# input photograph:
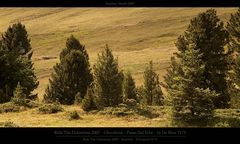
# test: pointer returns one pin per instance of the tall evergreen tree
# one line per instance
(192, 103)
(129, 88)
(71, 76)
(233, 28)
(207, 34)
(196, 79)
(16, 63)
(152, 90)
(108, 79)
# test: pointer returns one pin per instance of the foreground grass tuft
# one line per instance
(73, 115)
(9, 124)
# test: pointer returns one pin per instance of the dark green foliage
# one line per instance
(233, 28)
(206, 34)
(24, 102)
(192, 104)
(18, 93)
(196, 80)
(71, 76)
(3, 96)
(15, 62)
(73, 115)
(11, 107)
(88, 103)
(141, 95)
(74, 44)
(152, 89)
(130, 102)
(129, 88)
(50, 108)
(108, 79)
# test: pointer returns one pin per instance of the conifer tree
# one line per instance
(18, 93)
(89, 102)
(192, 103)
(152, 90)
(206, 33)
(16, 64)
(233, 28)
(108, 79)
(196, 80)
(129, 88)
(71, 76)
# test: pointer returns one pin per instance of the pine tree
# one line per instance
(108, 79)
(18, 93)
(71, 76)
(152, 90)
(233, 28)
(88, 103)
(74, 44)
(207, 34)
(129, 88)
(15, 61)
(191, 80)
(192, 104)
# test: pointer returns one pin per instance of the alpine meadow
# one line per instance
(120, 67)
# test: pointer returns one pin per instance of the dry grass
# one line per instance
(32, 118)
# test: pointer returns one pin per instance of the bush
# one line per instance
(11, 107)
(117, 111)
(88, 102)
(9, 124)
(226, 118)
(130, 102)
(24, 102)
(73, 115)
(50, 108)
(125, 110)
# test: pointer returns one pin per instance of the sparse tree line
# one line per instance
(203, 75)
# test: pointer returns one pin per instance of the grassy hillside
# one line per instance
(136, 35)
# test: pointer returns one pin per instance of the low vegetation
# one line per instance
(50, 108)
(73, 115)
(9, 124)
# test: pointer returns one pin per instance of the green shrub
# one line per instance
(73, 115)
(125, 110)
(226, 118)
(20, 102)
(88, 103)
(11, 107)
(117, 111)
(24, 102)
(130, 102)
(50, 108)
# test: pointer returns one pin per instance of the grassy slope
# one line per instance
(136, 35)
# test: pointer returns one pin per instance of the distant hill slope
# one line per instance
(136, 35)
